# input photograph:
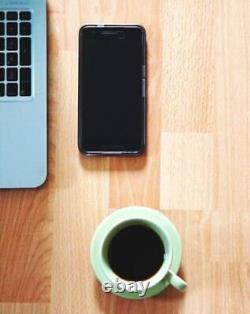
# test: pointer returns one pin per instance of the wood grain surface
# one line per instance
(196, 169)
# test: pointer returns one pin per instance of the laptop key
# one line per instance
(25, 82)
(25, 28)
(12, 89)
(2, 76)
(25, 15)
(12, 74)
(2, 90)
(2, 16)
(25, 51)
(2, 44)
(11, 43)
(2, 29)
(12, 29)
(2, 59)
(12, 59)
(12, 16)
(25, 89)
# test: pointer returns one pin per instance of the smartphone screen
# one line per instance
(112, 71)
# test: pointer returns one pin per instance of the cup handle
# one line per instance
(176, 281)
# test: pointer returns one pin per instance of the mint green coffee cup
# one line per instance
(163, 229)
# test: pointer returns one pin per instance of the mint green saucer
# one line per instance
(158, 222)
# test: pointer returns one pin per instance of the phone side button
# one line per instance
(144, 88)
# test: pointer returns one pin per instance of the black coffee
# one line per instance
(136, 253)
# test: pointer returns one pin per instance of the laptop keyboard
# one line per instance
(15, 54)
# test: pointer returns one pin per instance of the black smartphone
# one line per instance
(112, 90)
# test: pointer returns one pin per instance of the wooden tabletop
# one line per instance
(196, 170)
